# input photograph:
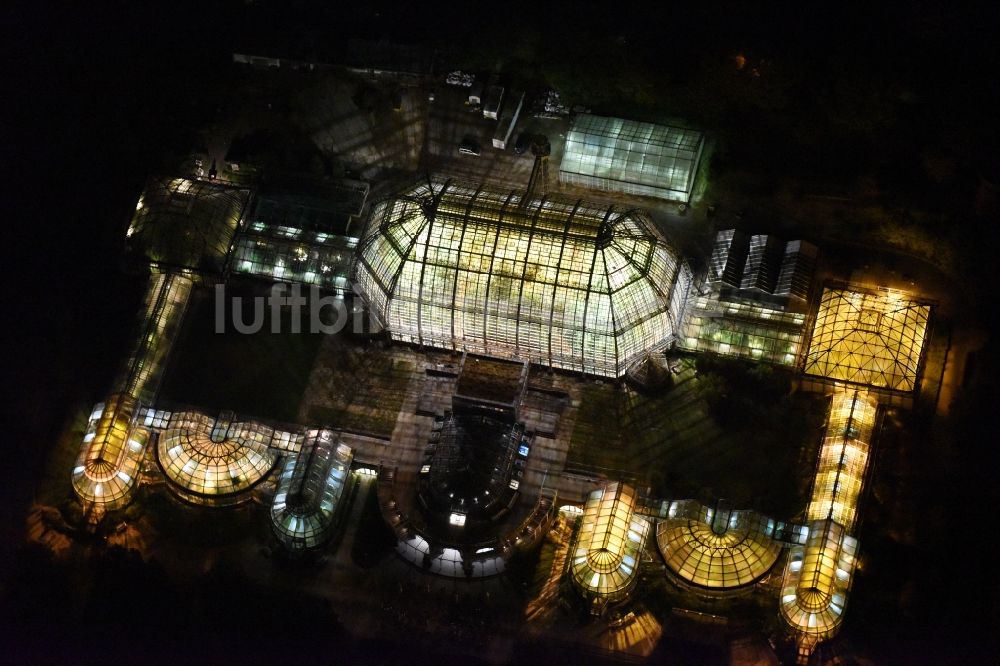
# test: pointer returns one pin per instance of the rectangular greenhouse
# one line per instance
(744, 330)
(301, 232)
(843, 460)
(632, 157)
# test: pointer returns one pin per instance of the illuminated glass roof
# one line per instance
(629, 156)
(556, 282)
(309, 491)
(873, 338)
(843, 458)
(606, 552)
(186, 223)
(107, 467)
(817, 580)
(732, 551)
(818, 575)
(212, 461)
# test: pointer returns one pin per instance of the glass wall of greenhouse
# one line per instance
(605, 556)
(310, 491)
(632, 157)
(556, 282)
(874, 338)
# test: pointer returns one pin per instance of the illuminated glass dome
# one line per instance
(213, 462)
(557, 282)
(734, 553)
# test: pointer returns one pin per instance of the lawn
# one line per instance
(719, 432)
(263, 374)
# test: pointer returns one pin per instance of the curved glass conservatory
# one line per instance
(557, 282)
(718, 549)
(818, 575)
(605, 557)
(209, 461)
(107, 467)
(309, 492)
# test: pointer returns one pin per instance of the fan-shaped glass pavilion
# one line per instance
(210, 461)
(718, 549)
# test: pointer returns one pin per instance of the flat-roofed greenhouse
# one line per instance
(558, 282)
(632, 157)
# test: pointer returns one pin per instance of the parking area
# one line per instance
(451, 120)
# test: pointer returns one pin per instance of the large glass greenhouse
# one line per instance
(874, 338)
(754, 298)
(112, 449)
(556, 282)
(107, 467)
(818, 575)
(631, 157)
(843, 458)
(308, 237)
